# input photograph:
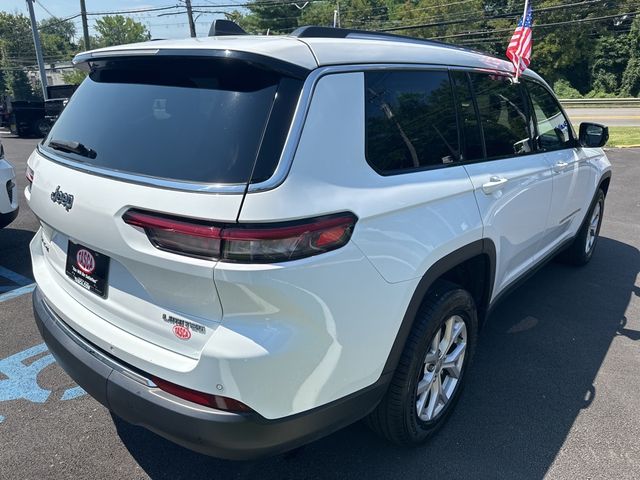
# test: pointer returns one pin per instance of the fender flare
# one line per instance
(483, 246)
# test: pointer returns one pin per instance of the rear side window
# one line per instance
(552, 125)
(197, 120)
(473, 148)
(410, 120)
(503, 115)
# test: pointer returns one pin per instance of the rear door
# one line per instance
(512, 183)
(175, 136)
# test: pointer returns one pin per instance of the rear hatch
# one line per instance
(181, 136)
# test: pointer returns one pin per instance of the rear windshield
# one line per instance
(186, 119)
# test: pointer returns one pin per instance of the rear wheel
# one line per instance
(582, 248)
(431, 371)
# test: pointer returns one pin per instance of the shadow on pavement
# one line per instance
(534, 371)
(14, 250)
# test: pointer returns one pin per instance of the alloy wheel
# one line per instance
(442, 368)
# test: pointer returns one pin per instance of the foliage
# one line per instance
(564, 89)
(74, 76)
(118, 30)
(631, 77)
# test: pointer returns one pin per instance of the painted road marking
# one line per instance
(16, 292)
(14, 277)
(20, 377)
(611, 117)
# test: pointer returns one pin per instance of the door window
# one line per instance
(410, 120)
(473, 150)
(553, 127)
(503, 115)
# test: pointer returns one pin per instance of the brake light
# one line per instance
(29, 175)
(260, 243)
(206, 399)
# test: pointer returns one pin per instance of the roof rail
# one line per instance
(312, 31)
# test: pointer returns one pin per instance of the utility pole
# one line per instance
(85, 26)
(336, 15)
(36, 42)
(192, 25)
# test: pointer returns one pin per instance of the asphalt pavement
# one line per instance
(553, 391)
(610, 116)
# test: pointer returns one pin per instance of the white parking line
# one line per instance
(17, 292)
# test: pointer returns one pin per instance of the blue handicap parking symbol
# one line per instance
(19, 377)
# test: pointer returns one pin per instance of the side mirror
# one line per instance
(593, 135)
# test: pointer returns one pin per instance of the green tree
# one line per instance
(119, 30)
(631, 77)
(74, 76)
(57, 40)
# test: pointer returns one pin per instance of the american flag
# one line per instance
(519, 49)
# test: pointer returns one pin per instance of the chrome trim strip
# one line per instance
(291, 143)
(302, 109)
(82, 343)
(569, 216)
(144, 180)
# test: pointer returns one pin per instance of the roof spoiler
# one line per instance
(225, 27)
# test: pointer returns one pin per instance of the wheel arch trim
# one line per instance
(480, 247)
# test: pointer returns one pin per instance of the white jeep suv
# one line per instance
(8, 191)
(248, 242)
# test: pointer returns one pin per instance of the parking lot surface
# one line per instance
(554, 390)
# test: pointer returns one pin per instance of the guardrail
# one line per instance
(599, 102)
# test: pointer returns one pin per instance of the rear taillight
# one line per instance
(10, 186)
(260, 243)
(207, 399)
(29, 175)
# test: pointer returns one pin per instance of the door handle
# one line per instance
(494, 184)
(560, 166)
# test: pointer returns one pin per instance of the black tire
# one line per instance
(577, 253)
(396, 417)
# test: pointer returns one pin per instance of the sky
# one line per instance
(174, 26)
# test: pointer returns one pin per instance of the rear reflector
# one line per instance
(260, 243)
(201, 398)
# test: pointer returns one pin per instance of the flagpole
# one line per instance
(524, 18)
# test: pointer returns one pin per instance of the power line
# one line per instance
(534, 26)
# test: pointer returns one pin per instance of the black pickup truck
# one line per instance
(35, 118)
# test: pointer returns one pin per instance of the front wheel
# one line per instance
(582, 248)
(431, 371)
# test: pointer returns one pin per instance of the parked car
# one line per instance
(260, 240)
(8, 191)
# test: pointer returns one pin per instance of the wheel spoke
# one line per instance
(424, 384)
(435, 343)
(420, 404)
(447, 338)
(443, 396)
(433, 399)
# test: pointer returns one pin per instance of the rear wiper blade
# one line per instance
(72, 147)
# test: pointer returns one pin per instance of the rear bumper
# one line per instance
(135, 398)
(7, 218)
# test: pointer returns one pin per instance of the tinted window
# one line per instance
(503, 115)
(552, 126)
(468, 119)
(195, 120)
(410, 120)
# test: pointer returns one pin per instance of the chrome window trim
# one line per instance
(291, 143)
(300, 116)
(222, 188)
